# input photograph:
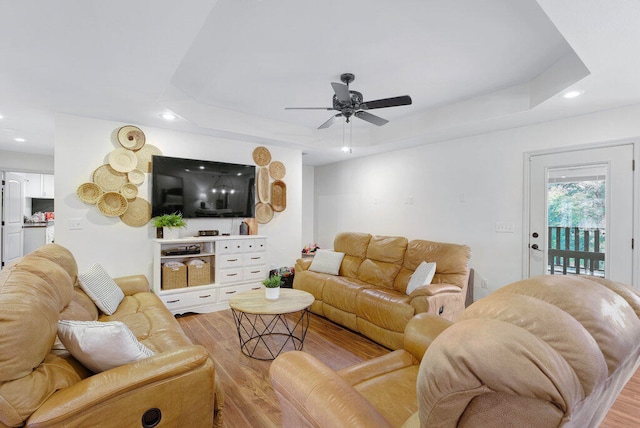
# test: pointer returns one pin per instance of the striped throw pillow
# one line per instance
(103, 290)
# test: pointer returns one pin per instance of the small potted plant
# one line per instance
(167, 225)
(272, 287)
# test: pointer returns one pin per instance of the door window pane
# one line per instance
(576, 219)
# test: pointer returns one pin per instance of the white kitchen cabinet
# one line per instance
(39, 185)
(35, 236)
(237, 263)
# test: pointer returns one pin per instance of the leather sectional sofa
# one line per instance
(369, 293)
(548, 351)
(42, 385)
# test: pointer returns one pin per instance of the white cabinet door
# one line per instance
(47, 185)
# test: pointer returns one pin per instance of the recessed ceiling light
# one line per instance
(1, 116)
(169, 116)
(345, 149)
(572, 94)
(20, 140)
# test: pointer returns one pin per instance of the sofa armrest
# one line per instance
(127, 391)
(303, 264)
(421, 331)
(312, 394)
(433, 289)
(133, 284)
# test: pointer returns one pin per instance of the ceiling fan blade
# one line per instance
(404, 100)
(376, 120)
(329, 122)
(342, 92)
(309, 108)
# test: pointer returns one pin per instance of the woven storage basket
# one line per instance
(198, 274)
(174, 277)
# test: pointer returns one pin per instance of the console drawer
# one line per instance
(254, 273)
(228, 276)
(254, 259)
(230, 261)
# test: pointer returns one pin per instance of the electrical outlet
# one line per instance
(76, 224)
(484, 283)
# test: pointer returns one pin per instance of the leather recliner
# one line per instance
(42, 385)
(548, 351)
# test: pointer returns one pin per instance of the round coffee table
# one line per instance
(266, 327)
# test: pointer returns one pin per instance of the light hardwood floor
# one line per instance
(250, 401)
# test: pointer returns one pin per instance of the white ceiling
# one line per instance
(229, 67)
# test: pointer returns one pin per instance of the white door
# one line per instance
(581, 213)
(12, 218)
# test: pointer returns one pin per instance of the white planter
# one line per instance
(272, 293)
(170, 232)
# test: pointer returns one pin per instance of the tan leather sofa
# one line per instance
(369, 294)
(44, 387)
(544, 352)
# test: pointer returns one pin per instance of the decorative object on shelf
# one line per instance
(169, 224)
(278, 196)
(310, 249)
(129, 191)
(253, 225)
(244, 228)
(112, 204)
(131, 137)
(144, 156)
(272, 287)
(108, 178)
(264, 213)
(277, 170)
(263, 185)
(89, 193)
(138, 213)
(136, 176)
(123, 160)
(261, 156)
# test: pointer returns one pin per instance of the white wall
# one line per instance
(82, 145)
(25, 162)
(460, 189)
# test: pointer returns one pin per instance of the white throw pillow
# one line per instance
(101, 346)
(327, 261)
(103, 290)
(423, 275)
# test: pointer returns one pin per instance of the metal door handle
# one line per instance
(535, 247)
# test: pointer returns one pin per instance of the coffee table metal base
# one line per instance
(265, 336)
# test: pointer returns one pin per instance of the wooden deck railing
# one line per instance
(575, 250)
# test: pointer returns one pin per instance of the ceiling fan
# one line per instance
(350, 103)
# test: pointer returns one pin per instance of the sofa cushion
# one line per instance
(101, 346)
(150, 322)
(377, 273)
(453, 260)
(352, 244)
(422, 276)
(389, 309)
(103, 290)
(388, 249)
(341, 292)
(33, 291)
(81, 307)
(326, 261)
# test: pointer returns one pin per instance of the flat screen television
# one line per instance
(200, 188)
